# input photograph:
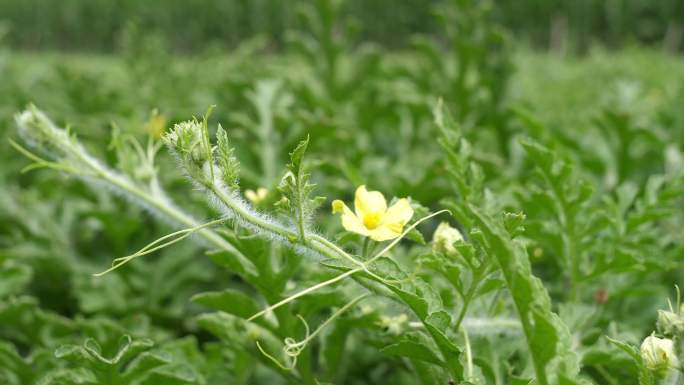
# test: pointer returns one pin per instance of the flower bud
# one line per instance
(393, 325)
(186, 139)
(444, 238)
(253, 333)
(156, 125)
(658, 354)
(40, 132)
(670, 323)
(258, 196)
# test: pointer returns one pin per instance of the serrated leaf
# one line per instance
(296, 188)
(646, 376)
(143, 364)
(228, 163)
(547, 337)
(416, 236)
(229, 301)
(297, 156)
(489, 285)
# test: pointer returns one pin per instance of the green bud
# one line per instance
(186, 139)
(658, 354)
(670, 323)
(444, 238)
(393, 325)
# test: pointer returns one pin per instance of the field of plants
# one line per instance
(323, 208)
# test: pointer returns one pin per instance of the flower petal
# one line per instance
(350, 221)
(385, 232)
(393, 221)
(368, 202)
(398, 214)
(251, 195)
(338, 206)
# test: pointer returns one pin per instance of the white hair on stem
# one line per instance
(68, 155)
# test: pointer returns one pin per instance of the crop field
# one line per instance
(462, 208)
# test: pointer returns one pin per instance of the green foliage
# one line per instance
(230, 167)
(564, 181)
(102, 25)
(296, 188)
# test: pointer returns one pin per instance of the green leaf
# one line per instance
(489, 285)
(414, 350)
(416, 236)
(143, 364)
(296, 188)
(131, 363)
(228, 163)
(13, 278)
(229, 301)
(547, 337)
(646, 376)
(297, 157)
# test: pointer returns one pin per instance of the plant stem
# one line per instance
(318, 244)
(161, 205)
(305, 292)
(364, 250)
(466, 302)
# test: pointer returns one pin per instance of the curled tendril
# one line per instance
(293, 348)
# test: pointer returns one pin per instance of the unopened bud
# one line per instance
(670, 323)
(658, 354)
(444, 238)
(257, 196)
(156, 125)
(186, 139)
(394, 325)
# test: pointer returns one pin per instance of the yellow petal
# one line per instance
(350, 221)
(251, 195)
(398, 214)
(261, 193)
(393, 221)
(257, 196)
(368, 202)
(337, 206)
(156, 125)
(385, 233)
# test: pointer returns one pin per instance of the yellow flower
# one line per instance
(156, 125)
(257, 196)
(371, 217)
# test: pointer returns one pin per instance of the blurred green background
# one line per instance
(192, 25)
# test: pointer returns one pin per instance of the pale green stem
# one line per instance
(305, 292)
(293, 349)
(93, 169)
(319, 244)
(363, 267)
(364, 249)
(301, 344)
(157, 245)
(469, 356)
(158, 204)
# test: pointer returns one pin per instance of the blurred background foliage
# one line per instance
(362, 79)
(191, 25)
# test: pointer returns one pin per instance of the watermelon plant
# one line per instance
(333, 211)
